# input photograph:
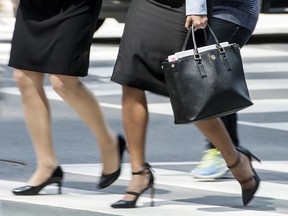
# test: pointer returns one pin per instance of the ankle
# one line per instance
(47, 167)
(41, 174)
(109, 143)
(242, 171)
(236, 162)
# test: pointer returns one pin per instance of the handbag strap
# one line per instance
(197, 55)
(195, 48)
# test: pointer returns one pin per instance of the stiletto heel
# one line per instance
(132, 204)
(60, 187)
(55, 178)
(247, 194)
(107, 179)
(152, 193)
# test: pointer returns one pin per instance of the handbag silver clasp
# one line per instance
(197, 57)
(221, 50)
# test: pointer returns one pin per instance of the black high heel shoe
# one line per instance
(247, 194)
(55, 178)
(132, 204)
(108, 179)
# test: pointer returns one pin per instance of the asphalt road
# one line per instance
(173, 150)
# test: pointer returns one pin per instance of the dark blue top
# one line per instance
(241, 12)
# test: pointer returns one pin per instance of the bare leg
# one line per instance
(135, 119)
(216, 132)
(82, 100)
(38, 121)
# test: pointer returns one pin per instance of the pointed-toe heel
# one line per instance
(132, 203)
(247, 194)
(55, 178)
(107, 179)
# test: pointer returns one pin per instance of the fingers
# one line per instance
(188, 22)
(198, 21)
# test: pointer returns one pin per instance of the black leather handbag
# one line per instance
(206, 82)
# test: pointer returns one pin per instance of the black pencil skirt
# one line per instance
(54, 36)
(154, 29)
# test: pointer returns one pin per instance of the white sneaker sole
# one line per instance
(213, 176)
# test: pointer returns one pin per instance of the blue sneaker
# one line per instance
(211, 166)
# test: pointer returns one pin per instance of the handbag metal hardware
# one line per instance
(213, 57)
(197, 57)
(221, 50)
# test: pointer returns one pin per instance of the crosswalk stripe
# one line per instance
(260, 106)
(267, 84)
(248, 51)
(184, 179)
(266, 67)
(276, 126)
(98, 201)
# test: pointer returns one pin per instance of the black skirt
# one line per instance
(153, 30)
(54, 36)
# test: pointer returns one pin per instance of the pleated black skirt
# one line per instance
(153, 30)
(54, 36)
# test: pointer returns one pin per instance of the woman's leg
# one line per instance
(216, 132)
(233, 33)
(135, 120)
(83, 101)
(38, 121)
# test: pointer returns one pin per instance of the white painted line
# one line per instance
(265, 67)
(275, 166)
(267, 106)
(248, 51)
(98, 90)
(98, 201)
(94, 169)
(105, 72)
(260, 106)
(268, 84)
(184, 179)
(276, 126)
(249, 67)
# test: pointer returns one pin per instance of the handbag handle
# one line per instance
(197, 55)
(195, 48)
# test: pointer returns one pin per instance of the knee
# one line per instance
(20, 78)
(63, 84)
(58, 83)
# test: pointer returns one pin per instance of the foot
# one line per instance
(55, 178)
(243, 172)
(137, 184)
(108, 179)
(110, 157)
(141, 181)
(212, 165)
(41, 175)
